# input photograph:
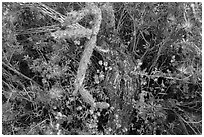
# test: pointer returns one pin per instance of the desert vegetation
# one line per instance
(101, 68)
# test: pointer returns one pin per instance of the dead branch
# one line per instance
(19, 73)
(47, 11)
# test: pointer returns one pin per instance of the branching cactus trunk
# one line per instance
(89, 47)
(83, 64)
(85, 59)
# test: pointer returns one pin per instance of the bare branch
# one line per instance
(18, 73)
(47, 11)
(39, 30)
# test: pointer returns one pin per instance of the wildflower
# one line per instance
(156, 79)
(96, 79)
(105, 64)
(139, 62)
(91, 111)
(77, 42)
(97, 71)
(100, 62)
(101, 76)
(79, 108)
(110, 68)
(98, 114)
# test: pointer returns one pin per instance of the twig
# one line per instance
(119, 22)
(20, 74)
(48, 11)
(38, 30)
(37, 125)
(180, 120)
(159, 52)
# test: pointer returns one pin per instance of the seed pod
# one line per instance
(87, 97)
(102, 105)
